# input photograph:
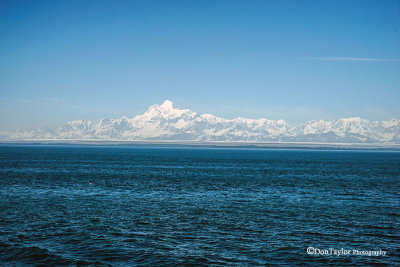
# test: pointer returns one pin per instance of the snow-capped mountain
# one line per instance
(166, 122)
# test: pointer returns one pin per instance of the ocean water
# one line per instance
(149, 206)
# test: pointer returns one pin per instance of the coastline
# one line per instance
(209, 144)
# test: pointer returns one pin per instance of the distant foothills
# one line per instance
(165, 122)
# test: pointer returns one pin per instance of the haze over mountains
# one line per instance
(166, 122)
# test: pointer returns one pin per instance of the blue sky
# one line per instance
(292, 60)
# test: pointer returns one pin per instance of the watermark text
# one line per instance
(345, 252)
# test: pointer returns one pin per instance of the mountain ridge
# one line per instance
(166, 122)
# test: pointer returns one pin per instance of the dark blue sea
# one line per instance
(149, 206)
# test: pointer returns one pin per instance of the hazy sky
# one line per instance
(292, 60)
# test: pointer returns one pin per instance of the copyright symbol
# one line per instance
(310, 251)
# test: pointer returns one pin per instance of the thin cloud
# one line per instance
(369, 59)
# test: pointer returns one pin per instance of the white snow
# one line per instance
(165, 121)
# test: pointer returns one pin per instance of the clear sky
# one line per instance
(292, 60)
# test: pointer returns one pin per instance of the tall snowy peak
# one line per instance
(167, 122)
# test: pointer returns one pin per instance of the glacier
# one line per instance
(165, 122)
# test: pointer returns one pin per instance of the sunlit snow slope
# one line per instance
(166, 122)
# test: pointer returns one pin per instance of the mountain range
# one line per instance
(165, 122)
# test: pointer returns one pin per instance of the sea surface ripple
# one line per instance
(149, 206)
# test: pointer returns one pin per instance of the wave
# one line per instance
(17, 254)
